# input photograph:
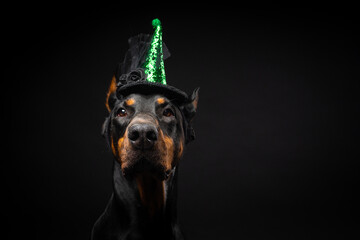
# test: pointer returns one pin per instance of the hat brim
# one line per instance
(147, 88)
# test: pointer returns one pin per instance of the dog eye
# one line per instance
(168, 112)
(121, 112)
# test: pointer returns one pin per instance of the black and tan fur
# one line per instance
(147, 135)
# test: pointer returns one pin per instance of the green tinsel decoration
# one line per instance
(154, 63)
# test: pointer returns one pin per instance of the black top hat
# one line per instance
(143, 71)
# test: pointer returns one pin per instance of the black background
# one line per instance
(276, 154)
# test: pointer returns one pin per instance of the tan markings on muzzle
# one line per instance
(123, 148)
(166, 148)
(117, 151)
(120, 142)
(130, 101)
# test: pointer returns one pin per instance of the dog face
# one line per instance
(147, 133)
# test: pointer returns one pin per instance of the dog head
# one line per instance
(148, 132)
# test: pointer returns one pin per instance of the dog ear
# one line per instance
(189, 110)
(111, 95)
(191, 106)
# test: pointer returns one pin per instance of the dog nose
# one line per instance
(142, 136)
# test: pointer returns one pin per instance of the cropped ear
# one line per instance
(111, 95)
(191, 106)
(189, 110)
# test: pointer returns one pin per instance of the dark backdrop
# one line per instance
(276, 154)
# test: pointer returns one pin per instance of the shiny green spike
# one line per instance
(154, 63)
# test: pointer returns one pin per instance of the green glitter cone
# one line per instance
(154, 63)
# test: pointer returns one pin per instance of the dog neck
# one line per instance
(147, 204)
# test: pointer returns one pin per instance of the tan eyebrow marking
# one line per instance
(160, 100)
(130, 101)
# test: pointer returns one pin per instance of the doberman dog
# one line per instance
(147, 136)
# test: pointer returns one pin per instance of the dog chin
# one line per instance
(143, 166)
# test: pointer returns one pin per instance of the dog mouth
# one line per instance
(147, 168)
